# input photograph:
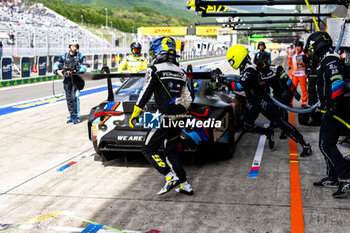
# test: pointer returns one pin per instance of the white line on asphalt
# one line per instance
(258, 157)
(45, 97)
(43, 106)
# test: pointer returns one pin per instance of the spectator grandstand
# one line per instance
(33, 29)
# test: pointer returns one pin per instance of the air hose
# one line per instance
(53, 89)
(295, 110)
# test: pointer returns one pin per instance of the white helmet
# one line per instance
(74, 41)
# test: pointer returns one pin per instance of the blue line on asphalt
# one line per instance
(46, 101)
(63, 167)
(92, 228)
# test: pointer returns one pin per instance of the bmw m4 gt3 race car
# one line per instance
(214, 122)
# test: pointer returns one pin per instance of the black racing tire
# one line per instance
(227, 150)
(97, 150)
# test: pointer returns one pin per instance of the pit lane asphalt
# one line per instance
(38, 142)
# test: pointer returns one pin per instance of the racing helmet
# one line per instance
(236, 55)
(262, 60)
(162, 49)
(316, 42)
(73, 41)
(136, 49)
(299, 43)
(261, 43)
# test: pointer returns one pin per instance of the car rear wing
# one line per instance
(191, 74)
(197, 74)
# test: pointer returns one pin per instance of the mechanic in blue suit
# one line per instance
(70, 63)
(261, 48)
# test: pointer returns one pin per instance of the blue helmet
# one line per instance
(163, 45)
(262, 60)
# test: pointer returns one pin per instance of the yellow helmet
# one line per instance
(235, 55)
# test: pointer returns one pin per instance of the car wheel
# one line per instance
(97, 150)
(227, 149)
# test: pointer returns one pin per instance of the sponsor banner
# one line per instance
(99, 71)
(95, 62)
(6, 68)
(164, 31)
(25, 67)
(54, 60)
(104, 60)
(113, 60)
(42, 61)
(28, 80)
(207, 31)
(121, 55)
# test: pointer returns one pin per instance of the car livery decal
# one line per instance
(198, 134)
(110, 106)
(98, 135)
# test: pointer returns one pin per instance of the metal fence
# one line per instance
(15, 51)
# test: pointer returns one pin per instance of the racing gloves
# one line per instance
(134, 116)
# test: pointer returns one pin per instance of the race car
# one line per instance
(215, 117)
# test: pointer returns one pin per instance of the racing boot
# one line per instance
(343, 190)
(283, 135)
(76, 120)
(271, 137)
(306, 150)
(71, 120)
(328, 182)
(185, 188)
(171, 181)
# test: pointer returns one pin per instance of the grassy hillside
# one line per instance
(165, 7)
(124, 20)
(126, 15)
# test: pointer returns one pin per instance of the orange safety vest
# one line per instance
(298, 65)
(343, 56)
